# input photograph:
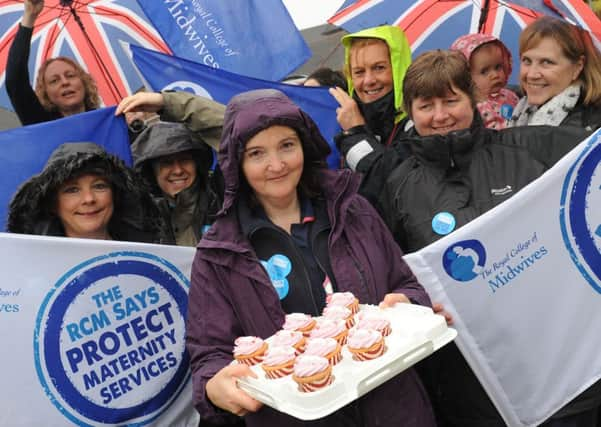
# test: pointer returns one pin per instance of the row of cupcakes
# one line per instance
(320, 340)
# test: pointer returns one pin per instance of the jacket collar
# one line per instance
(228, 233)
(453, 150)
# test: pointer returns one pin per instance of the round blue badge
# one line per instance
(281, 264)
(506, 111)
(443, 223)
(278, 267)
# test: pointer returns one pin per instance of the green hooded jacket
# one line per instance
(400, 58)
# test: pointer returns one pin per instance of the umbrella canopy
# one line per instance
(88, 31)
(435, 24)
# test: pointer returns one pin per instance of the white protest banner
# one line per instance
(523, 283)
(93, 333)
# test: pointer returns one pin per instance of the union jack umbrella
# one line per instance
(58, 32)
(435, 24)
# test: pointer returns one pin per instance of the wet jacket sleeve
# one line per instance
(547, 144)
(210, 332)
(364, 154)
(388, 204)
(21, 94)
(201, 115)
(399, 277)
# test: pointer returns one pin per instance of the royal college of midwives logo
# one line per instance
(109, 340)
(464, 260)
(580, 212)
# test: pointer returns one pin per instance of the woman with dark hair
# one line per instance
(325, 76)
(280, 198)
(62, 88)
(457, 171)
(85, 192)
(560, 73)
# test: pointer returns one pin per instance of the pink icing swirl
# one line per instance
(373, 321)
(296, 321)
(363, 338)
(320, 346)
(247, 345)
(286, 338)
(341, 298)
(279, 355)
(328, 328)
(339, 312)
(307, 365)
(368, 310)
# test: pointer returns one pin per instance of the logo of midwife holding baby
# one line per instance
(109, 339)
(464, 260)
(580, 215)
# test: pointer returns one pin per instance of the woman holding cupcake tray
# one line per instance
(290, 231)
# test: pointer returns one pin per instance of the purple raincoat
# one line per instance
(231, 294)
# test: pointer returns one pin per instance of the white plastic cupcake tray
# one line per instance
(416, 333)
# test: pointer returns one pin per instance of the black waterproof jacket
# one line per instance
(467, 173)
(135, 217)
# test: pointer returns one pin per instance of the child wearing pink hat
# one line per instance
(490, 67)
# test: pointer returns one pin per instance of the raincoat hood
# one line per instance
(164, 139)
(134, 217)
(248, 114)
(470, 42)
(400, 57)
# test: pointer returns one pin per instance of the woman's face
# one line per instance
(439, 116)
(371, 70)
(273, 163)
(545, 71)
(176, 172)
(64, 87)
(85, 206)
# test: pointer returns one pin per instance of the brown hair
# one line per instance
(575, 43)
(91, 99)
(434, 74)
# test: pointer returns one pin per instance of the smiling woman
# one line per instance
(63, 87)
(85, 192)
(560, 73)
(282, 203)
(457, 171)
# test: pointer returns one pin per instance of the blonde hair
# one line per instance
(575, 43)
(91, 99)
(360, 42)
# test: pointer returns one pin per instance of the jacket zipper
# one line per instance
(332, 280)
(360, 271)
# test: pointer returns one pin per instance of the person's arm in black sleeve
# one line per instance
(547, 144)
(21, 94)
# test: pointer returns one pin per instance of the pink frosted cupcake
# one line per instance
(345, 299)
(299, 322)
(294, 339)
(338, 312)
(325, 347)
(365, 344)
(373, 319)
(329, 328)
(279, 361)
(312, 373)
(249, 350)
